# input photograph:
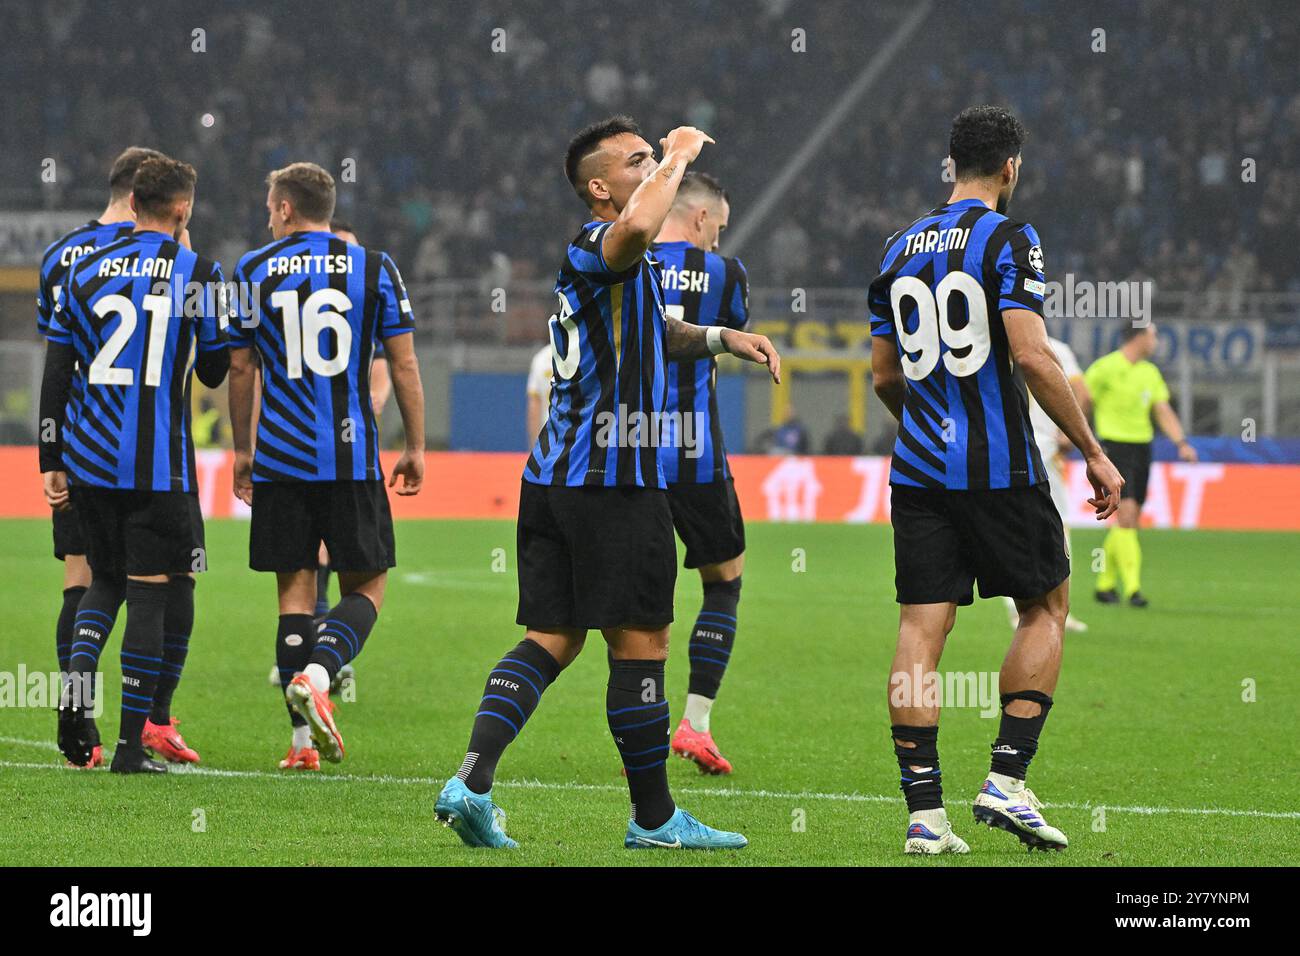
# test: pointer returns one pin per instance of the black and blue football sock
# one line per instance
(294, 639)
(342, 633)
(93, 623)
(64, 630)
(918, 766)
(178, 622)
(322, 590)
(142, 644)
(1017, 740)
(513, 690)
(637, 712)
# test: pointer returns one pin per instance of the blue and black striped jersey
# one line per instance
(60, 256)
(315, 308)
(610, 385)
(943, 283)
(701, 288)
(134, 311)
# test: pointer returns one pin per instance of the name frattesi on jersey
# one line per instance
(339, 264)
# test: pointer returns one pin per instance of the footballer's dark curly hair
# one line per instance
(159, 182)
(982, 139)
(587, 140)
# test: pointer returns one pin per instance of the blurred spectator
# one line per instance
(843, 440)
(788, 438)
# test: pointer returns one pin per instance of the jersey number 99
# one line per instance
(933, 327)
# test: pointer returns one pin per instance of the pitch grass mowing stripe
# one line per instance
(615, 788)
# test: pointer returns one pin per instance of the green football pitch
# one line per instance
(1173, 739)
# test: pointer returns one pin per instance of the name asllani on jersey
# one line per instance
(936, 240)
(157, 267)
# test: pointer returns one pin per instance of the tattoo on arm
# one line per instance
(686, 341)
(668, 172)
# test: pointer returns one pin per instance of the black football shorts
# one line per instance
(708, 520)
(292, 518)
(1010, 540)
(595, 557)
(68, 536)
(1133, 459)
(140, 533)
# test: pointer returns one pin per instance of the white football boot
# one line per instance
(930, 833)
(1005, 803)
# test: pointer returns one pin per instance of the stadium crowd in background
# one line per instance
(437, 126)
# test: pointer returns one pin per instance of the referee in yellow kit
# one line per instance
(1127, 392)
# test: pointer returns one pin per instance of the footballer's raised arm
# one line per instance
(636, 227)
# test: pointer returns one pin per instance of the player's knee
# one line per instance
(1026, 703)
(149, 578)
(370, 586)
(1044, 616)
(564, 646)
(76, 571)
(723, 572)
(637, 643)
(109, 587)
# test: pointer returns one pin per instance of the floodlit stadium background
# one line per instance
(1150, 157)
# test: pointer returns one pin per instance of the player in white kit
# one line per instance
(1052, 445)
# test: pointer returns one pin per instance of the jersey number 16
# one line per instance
(304, 324)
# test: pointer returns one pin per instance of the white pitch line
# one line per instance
(617, 788)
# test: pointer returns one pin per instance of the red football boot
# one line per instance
(690, 743)
(318, 710)
(308, 758)
(166, 741)
(96, 759)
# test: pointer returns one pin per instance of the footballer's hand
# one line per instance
(1185, 451)
(56, 489)
(753, 348)
(244, 477)
(685, 142)
(1106, 484)
(411, 468)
